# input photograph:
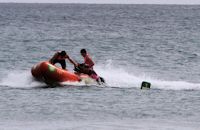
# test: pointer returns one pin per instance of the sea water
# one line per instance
(130, 44)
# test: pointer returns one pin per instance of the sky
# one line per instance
(109, 1)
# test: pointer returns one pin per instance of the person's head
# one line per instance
(63, 53)
(83, 52)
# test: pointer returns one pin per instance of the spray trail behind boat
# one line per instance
(115, 77)
(122, 78)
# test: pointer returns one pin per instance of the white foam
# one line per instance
(120, 77)
(19, 79)
(115, 76)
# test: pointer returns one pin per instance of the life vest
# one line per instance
(88, 61)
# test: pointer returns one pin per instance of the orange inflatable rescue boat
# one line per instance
(52, 75)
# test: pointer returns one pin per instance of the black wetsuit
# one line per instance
(62, 62)
(59, 59)
(82, 68)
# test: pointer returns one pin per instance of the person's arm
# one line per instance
(73, 62)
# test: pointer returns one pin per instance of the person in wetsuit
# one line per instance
(87, 59)
(87, 66)
(59, 57)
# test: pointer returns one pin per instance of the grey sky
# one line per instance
(110, 1)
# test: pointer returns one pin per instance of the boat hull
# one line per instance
(51, 74)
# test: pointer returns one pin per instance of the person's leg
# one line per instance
(63, 64)
(54, 62)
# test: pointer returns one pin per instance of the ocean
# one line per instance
(130, 44)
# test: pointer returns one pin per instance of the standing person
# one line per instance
(59, 57)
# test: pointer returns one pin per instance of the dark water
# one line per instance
(129, 44)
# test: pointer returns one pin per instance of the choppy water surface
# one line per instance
(129, 43)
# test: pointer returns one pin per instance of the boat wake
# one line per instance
(19, 79)
(123, 78)
(119, 78)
